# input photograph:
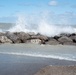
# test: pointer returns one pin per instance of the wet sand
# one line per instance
(31, 68)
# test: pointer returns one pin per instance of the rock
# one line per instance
(52, 42)
(73, 34)
(65, 39)
(69, 43)
(14, 38)
(64, 34)
(56, 37)
(2, 34)
(4, 39)
(42, 37)
(23, 36)
(31, 33)
(57, 70)
(73, 38)
(36, 41)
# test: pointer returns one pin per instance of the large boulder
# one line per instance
(65, 34)
(2, 34)
(73, 38)
(52, 42)
(64, 40)
(36, 41)
(41, 37)
(31, 33)
(69, 43)
(14, 38)
(57, 70)
(4, 39)
(23, 36)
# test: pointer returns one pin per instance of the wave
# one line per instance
(40, 25)
(41, 55)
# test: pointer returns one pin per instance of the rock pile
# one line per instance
(22, 37)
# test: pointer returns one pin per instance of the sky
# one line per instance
(63, 10)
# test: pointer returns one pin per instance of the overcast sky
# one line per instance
(65, 9)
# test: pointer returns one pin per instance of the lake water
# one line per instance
(39, 51)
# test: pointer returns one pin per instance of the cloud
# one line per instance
(53, 3)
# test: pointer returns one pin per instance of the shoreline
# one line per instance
(26, 49)
(27, 65)
(30, 68)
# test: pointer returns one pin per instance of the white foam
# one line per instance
(40, 55)
(20, 25)
(42, 26)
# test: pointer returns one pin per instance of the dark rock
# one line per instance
(73, 37)
(56, 37)
(73, 34)
(38, 34)
(23, 36)
(52, 42)
(13, 37)
(65, 39)
(64, 34)
(4, 39)
(2, 34)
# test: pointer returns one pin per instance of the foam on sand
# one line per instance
(39, 55)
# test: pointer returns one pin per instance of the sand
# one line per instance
(57, 70)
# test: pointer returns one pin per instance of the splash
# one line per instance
(20, 25)
(42, 26)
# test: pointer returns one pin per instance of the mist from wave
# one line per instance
(40, 25)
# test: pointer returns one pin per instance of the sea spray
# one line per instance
(20, 25)
(24, 24)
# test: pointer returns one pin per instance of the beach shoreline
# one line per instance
(30, 68)
(24, 64)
